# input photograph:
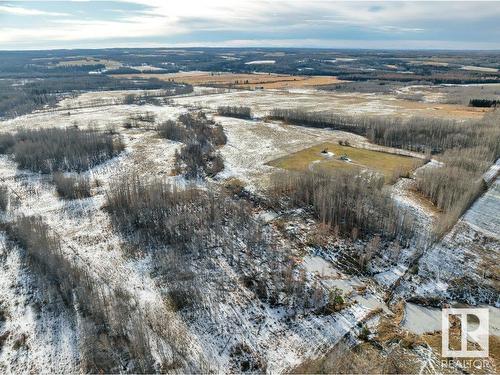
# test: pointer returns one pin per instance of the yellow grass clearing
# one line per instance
(312, 158)
(266, 81)
(297, 82)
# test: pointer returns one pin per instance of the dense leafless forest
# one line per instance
(53, 149)
(351, 204)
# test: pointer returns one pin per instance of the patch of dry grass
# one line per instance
(364, 358)
(434, 341)
(424, 202)
(313, 158)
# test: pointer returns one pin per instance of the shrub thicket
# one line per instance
(173, 130)
(7, 141)
(138, 120)
(72, 187)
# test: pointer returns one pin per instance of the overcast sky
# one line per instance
(277, 23)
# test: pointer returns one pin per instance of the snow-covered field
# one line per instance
(51, 337)
(262, 101)
(90, 241)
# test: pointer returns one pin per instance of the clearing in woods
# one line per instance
(327, 156)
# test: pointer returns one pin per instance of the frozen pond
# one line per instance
(332, 277)
(320, 266)
(420, 319)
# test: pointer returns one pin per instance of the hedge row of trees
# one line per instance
(55, 149)
(159, 97)
(317, 120)
(199, 156)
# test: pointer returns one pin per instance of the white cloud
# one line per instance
(20, 11)
(168, 18)
(74, 30)
(347, 43)
(355, 12)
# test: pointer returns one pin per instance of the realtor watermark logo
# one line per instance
(474, 332)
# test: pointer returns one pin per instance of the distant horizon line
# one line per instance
(254, 47)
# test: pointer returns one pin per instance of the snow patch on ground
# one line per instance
(420, 319)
